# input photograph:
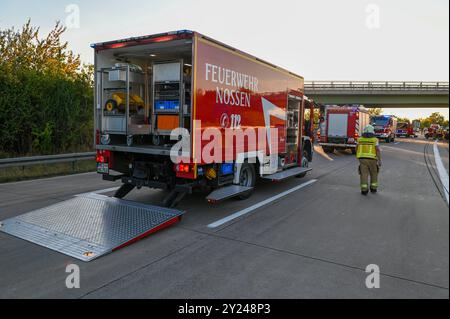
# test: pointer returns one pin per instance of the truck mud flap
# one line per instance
(287, 174)
(90, 226)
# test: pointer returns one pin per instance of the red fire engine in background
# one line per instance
(406, 129)
(342, 126)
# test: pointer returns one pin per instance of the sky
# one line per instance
(378, 40)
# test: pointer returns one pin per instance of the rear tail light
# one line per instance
(186, 170)
(104, 157)
(100, 158)
(183, 168)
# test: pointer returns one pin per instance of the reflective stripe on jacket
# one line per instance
(367, 148)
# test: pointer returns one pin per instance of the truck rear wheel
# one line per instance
(248, 179)
(305, 163)
(328, 149)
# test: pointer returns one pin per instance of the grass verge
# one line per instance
(14, 174)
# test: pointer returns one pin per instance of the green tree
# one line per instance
(46, 94)
(445, 123)
(437, 118)
(404, 120)
(434, 118)
(375, 111)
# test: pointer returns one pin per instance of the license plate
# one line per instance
(103, 168)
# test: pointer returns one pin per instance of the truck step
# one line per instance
(90, 226)
(287, 174)
(227, 192)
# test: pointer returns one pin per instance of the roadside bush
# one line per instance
(46, 95)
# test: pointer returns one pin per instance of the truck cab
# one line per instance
(404, 129)
(342, 126)
(385, 127)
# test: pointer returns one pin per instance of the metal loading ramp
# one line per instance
(90, 226)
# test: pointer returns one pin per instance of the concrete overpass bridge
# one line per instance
(380, 94)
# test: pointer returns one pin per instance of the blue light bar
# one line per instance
(227, 169)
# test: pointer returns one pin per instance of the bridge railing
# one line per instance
(377, 86)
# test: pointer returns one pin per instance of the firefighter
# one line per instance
(369, 156)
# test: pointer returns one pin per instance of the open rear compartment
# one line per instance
(143, 92)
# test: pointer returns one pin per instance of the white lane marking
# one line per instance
(258, 205)
(443, 175)
(396, 143)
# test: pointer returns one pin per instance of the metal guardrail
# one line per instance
(377, 86)
(42, 160)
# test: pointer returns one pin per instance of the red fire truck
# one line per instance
(342, 127)
(385, 127)
(152, 90)
(434, 132)
(405, 129)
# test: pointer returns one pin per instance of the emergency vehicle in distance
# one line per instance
(146, 87)
(385, 127)
(433, 131)
(342, 127)
(406, 129)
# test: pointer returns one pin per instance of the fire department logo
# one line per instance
(225, 121)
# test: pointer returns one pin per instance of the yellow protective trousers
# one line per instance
(368, 168)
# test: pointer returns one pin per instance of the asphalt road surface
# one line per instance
(315, 242)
